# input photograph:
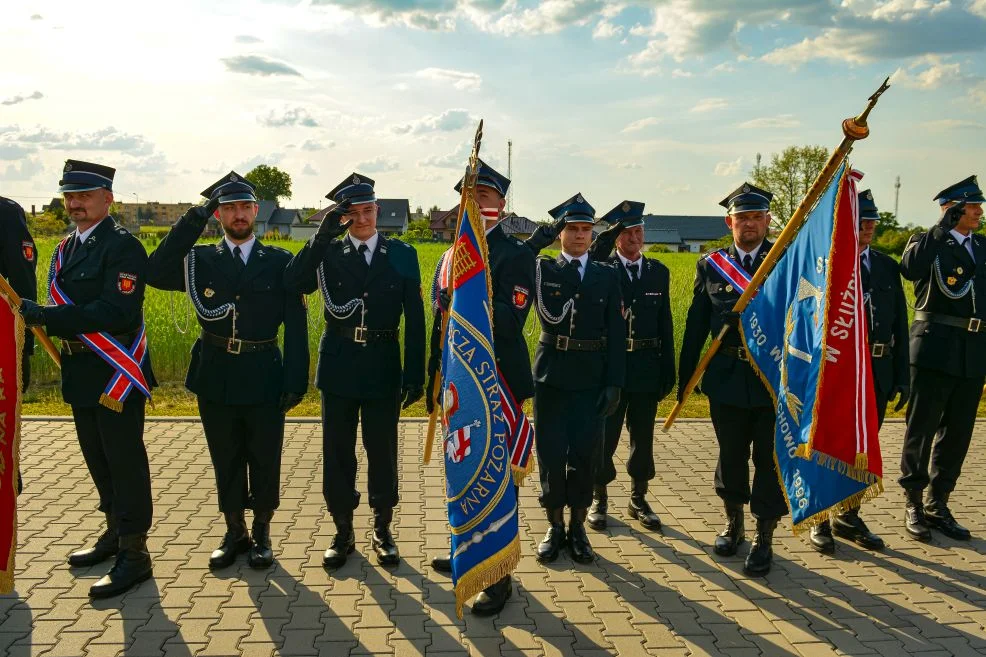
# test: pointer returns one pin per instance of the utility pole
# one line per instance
(510, 175)
(896, 196)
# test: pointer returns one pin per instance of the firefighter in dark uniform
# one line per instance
(645, 284)
(104, 276)
(948, 357)
(511, 265)
(367, 282)
(19, 264)
(579, 368)
(740, 406)
(237, 290)
(886, 322)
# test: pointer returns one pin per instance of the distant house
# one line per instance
(442, 224)
(519, 227)
(394, 215)
(287, 223)
(686, 233)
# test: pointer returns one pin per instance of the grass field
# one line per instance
(172, 329)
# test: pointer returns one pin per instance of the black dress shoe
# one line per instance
(343, 543)
(235, 542)
(382, 540)
(599, 508)
(106, 546)
(492, 600)
(554, 538)
(821, 538)
(442, 565)
(133, 566)
(915, 521)
(639, 508)
(761, 554)
(578, 540)
(852, 528)
(938, 515)
(261, 553)
(730, 538)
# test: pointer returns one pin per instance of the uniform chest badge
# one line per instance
(126, 283)
(729, 288)
(951, 280)
(209, 292)
(27, 248)
(521, 295)
(958, 270)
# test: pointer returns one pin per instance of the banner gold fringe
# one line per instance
(111, 404)
(846, 505)
(803, 451)
(862, 461)
(486, 574)
(520, 474)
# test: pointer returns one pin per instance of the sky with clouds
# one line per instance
(663, 101)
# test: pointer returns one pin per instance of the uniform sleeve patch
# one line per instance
(126, 283)
(521, 296)
(27, 248)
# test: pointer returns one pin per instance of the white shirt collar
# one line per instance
(80, 238)
(753, 254)
(584, 259)
(959, 236)
(245, 248)
(371, 243)
(626, 262)
(865, 254)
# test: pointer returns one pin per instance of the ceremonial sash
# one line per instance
(729, 269)
(126, 362)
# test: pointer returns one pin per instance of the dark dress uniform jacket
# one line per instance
(18, 257)
(92, 278)
(512, 273)
(390, 288)
(947, 281)
(262, 304)
(727, 380)
(597, 315)
(887, 322)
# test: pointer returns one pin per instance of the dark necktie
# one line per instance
(238, 259)
(966, 246)
(748, 263)
(864, 272)
(363, 248)
(70, 246)
(576, 267)
(634, 269)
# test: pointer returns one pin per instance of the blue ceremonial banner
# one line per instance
(806, 335)
(482, 503)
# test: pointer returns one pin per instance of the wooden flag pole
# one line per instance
(15, 302)
(853, 129)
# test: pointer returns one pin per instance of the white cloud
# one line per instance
(461, 80)
(942, 125)
(771, 122)
(316, 145)
(977, 93)
(287, 117)
(447, 121)
(547, 17)
(934, 74)
(640, 124)
(629, 165)
(24, 169)
(729, 168)
(309, 170)
(18, 99)
(710, 104)
(378, 164)
(606, 30)
(457, 159)
(679, 73)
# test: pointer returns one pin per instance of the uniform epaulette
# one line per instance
(545, 257)
(403, 258)
(280, 249)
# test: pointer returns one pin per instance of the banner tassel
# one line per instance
(110, 403)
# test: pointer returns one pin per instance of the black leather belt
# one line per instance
(971, 324)
(565, 343)
(879, 349)
(638, 344)
(73, 347)
(362, 335)
(236, 346)
(739, 353)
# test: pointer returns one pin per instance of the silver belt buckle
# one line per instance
(359, 335)
(233, 345)
(877, 350)
(974, 324)
(742, 354)
(561, 342)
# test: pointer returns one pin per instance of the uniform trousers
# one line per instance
(639, 409)
(568, 434)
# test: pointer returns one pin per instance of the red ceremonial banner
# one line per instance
(11, 345)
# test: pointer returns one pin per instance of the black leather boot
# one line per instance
(343, 543)
(133, 566)
(382, 540)
(730, 538)
(852, 528)
(761, 552)
(578, 541)
(236, 541)
(261, 553)
(821, 538)
(492, 599)
(554, 538)
(599, 508)
(639, 509)
(442, 565)
(106, 546)
(914, 518)
(938, 515)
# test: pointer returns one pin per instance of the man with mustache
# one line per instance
(243, 384)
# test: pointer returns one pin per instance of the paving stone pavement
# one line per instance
(661, 594)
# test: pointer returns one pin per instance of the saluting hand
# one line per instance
(411, 394)
(332, 226)
(544, 236)
(950, 219)
(203, 212)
